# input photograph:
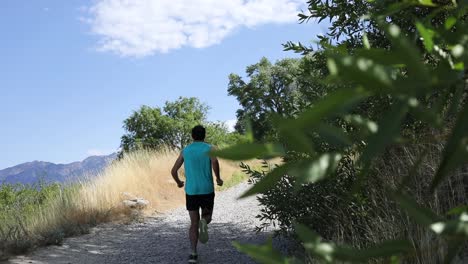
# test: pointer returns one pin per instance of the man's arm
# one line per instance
(175, 168)
(215, 166)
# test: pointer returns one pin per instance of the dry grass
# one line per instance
(75, 208)
(142, 174)
(383, 219)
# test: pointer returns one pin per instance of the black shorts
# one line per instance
(203, 201)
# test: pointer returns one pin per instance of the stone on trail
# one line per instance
(138, 203)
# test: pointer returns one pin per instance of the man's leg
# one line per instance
(207, 213)
(207, 207)
(203, 226)
(193, 231)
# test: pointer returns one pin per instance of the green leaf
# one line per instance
(313, 243)
(334, 104)
(332, 253)
(304, 170)
(456, 149)
(450, 22)
(248, 151)
(388, 130)
(262, 253)
(427, 36)
(414, 170)
(429, 115)
(408, 52)
(294, 131)
(454, 246)
(297, 140)
(334, 136)
(393, 8)
(306, 234)
(269, 180)
(460, 66)
(316, 170)
(452, 228)
(420, 214)
(383, 250)
(395, 260)
(458, 210)
(294, 139)
(426, 3)
(380, 56)
(365, 41)
(362, 122)
(361, 71)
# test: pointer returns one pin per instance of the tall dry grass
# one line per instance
(382, 219)
(142, 174)
(75, 208)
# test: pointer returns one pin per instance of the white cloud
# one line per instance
(230, 124)
(143, 27)
(99, 152)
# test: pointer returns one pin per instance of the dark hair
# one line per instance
(198, 133)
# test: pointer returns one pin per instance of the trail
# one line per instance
(162, 238)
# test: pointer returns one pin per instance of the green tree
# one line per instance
(146, 128)
(153, 127)
(184, 113)
(170, 126)
(270, 89)
(218, 134)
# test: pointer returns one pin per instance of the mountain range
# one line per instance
(47, 172)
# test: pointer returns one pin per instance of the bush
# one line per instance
(393, 208)
(20, 206)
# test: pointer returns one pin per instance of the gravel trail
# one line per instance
(163, 238)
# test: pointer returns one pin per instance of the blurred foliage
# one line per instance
(388, 74)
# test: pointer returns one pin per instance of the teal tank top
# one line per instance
(197, 164)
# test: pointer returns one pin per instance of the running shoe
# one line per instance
(193, 258)
(203, 232)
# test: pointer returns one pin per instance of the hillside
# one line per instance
(32, 172)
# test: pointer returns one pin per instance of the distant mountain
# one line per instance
(32, 172)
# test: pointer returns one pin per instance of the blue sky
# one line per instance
(72, 71)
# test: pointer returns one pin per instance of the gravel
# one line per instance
(163, 238)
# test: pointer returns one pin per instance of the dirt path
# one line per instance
(162, 239)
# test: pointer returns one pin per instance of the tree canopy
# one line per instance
(272, 89)
(170, 126)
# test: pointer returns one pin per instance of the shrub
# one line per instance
(420, 67)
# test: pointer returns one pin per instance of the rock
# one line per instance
(138, 203)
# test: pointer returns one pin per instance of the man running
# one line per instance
(199, 189)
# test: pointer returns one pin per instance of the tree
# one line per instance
(218, 134)
(147, 128)
(184, 113)
(154, 128)
(271, 89)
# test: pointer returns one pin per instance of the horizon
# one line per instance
(74, 71)
(68, 163)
